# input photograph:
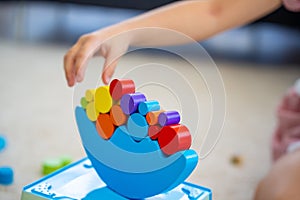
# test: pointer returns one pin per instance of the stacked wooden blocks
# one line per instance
(119, 104)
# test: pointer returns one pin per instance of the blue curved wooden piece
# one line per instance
(133, 169)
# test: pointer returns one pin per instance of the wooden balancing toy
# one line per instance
(138, 149)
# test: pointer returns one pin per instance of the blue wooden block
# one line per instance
(137, 126)
(122, 138)
(6, 175)
(2, 143)
(148, 106)
(128, 172)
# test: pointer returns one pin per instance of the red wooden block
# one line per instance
(174, 138)
(112, 85)
(104, 126)
(153, 131)
(119, 87)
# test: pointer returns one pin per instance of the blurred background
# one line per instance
(258, 62)
(274, 38)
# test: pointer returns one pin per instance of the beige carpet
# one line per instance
(37, 118)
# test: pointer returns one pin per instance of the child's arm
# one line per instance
(197, 19)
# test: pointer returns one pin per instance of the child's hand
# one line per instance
(288, 127)
(292, 5)
(106, 43)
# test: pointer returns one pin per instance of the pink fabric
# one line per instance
(292, 5)
(288, 127)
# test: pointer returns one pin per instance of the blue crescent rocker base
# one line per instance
(80, 181)
(133, 169)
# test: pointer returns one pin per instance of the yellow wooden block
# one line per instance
(91, 112)
(89, 95)
(103, 100)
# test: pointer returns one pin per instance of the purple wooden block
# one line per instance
(130, 102)
(168, 118)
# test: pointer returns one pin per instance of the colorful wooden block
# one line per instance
(137, 126)
(103, 100)
(174, 138)
(117, 116)
(119, 87)
(83, 102)
(104, 126)
(65, 160)
(168, 118)
(130, 102)
(2, 143)
(148, 106)
(154, 131)
(51, 165)
(91, 111)
(152, 117)
(6, 175)
(90, 94)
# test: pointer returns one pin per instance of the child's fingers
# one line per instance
(76, 58)
(69, 66)
(109, 69)
(276, 144)
(75, 61)
(295, 132)
(288, 119)
(112, 54)
(84, 53)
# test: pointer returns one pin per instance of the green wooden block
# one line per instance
(65, 160)
(51, 165)
(83, 102)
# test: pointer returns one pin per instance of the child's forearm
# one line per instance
(196, 19)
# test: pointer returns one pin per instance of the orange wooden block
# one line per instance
(104, 126)
(152, 117)
(119, 87)
(153, 131)
(117, 116)
(174, 138)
